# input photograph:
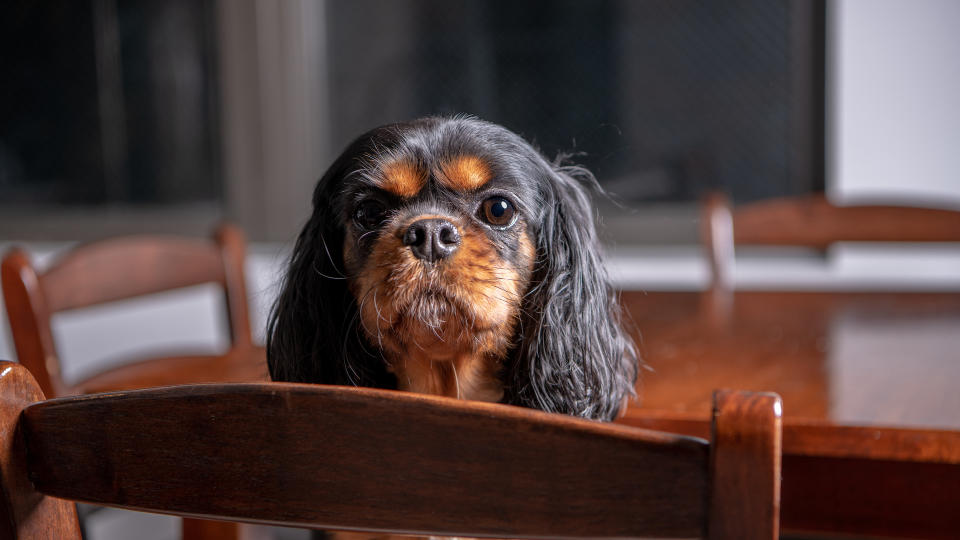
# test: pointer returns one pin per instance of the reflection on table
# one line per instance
(871, 390)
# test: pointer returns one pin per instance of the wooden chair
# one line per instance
(812, 221)
(365, 459)
(126, 267)
(121, 268)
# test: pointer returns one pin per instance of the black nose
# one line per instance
(432, 239)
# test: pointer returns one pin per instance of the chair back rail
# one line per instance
(366, 459)
(350, 458)
(88, 275)
(814, 222)
(809, 221)
(111, 270)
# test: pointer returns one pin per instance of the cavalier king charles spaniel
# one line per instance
(447, 256)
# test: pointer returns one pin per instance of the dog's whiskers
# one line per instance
(456, 378)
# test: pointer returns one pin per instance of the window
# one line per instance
(107, 105)
(661, 99)
(142, 105)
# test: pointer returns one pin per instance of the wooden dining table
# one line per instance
(871, 394)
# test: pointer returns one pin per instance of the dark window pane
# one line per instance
(661, 99)
(107, 102)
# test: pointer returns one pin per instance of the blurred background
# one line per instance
(126, 117)
(123, 117)
(205, 110)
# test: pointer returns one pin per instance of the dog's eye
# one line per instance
(369, 214)
(498, 211)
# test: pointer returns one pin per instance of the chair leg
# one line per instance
(202, 529)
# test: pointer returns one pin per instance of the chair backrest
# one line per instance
(365, 459)
(111, 270)
(812, 221)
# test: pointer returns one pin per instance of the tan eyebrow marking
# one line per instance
(403, 178)
(465, 173)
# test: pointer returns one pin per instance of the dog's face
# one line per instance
(446, 256)
(439, 253)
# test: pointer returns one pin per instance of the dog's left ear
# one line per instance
(312, 333)
(574, 357)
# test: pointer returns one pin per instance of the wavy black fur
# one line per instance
(572, 355)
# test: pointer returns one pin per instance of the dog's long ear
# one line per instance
(574, 357)
(313, 334)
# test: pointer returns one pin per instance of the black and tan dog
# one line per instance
(447, 256)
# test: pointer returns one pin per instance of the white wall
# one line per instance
(894, 101)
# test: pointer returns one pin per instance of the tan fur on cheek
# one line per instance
(485, 281)
(370, 289)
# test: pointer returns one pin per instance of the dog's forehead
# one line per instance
(405, 177)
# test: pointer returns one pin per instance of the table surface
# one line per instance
(871, 396)
(887, 359)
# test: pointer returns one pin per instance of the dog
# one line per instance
(447, 256)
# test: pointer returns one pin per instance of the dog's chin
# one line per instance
(432, 322)
(432, 310)
(435, 322)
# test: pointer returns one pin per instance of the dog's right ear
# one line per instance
(313, 333)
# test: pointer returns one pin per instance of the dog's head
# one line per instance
(447, 256)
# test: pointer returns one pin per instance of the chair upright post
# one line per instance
(745, 466)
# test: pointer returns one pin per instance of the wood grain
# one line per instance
(869, 497)
(785, 342)
(745, 466)
(119, 268)
(347, 458)
(212, 530)
(819, 439)
(236, 365)
(29, 318)
(125, 267)
(812, 221)
(885, 476)
(233, 257)
(25, 512)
